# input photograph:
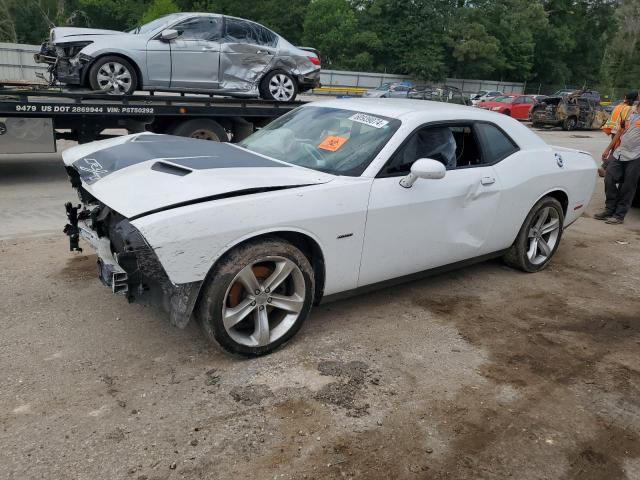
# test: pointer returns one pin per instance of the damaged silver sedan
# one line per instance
(198, 52)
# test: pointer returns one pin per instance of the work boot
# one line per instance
(603, 215)
(614, 221)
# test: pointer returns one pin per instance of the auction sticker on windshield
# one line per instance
(369, 120)
(332, 143)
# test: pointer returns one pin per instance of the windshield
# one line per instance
(153, 25)
(384, 86)
(503, 99)
(332, 140)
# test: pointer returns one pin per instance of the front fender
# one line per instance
(190, 239)
(136, 57)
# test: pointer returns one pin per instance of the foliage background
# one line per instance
(552, 42)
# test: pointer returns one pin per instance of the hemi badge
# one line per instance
(345, 235)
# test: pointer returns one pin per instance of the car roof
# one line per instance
(417, 112)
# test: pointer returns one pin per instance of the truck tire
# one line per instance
(113, 75)
(201, 128)
(257, 297)
(278, 86)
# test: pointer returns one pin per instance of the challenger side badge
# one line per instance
(559, 160)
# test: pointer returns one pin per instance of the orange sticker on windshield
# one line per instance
(332, 143)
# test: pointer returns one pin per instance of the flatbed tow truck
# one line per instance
(33, 117)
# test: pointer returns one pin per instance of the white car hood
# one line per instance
(71, 34)
(140, 174)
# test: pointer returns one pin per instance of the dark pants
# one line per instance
(620, 183)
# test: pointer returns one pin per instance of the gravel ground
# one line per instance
(482, 373)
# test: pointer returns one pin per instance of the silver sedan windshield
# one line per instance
(337, 141)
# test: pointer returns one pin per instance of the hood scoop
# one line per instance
(171, 169)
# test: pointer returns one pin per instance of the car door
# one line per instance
(521, 107)
(195, 54)
(435, 222)
(247, 51)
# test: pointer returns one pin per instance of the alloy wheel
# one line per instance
(543, 235)
(281, 87)
(114, 78)
(263, 301)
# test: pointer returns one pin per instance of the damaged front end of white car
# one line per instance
(120, 181)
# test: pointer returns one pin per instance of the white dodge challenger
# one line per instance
(330, 198)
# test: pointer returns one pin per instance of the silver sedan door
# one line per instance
(195, 54)
(247, 51)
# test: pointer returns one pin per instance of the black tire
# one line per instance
(98, 64)
(221, 280)
(507, 113)
(569, 124)
(537, 125)
(517, 256)
(266, 94)
(201, 128)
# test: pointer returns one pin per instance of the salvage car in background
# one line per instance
(484, 95)
(446, 94)
(390, 90)
(186, 52)
(249, 236)
(574, 111)
(516, 106)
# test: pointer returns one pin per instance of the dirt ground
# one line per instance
(482, 373)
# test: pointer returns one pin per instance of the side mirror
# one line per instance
(169, 34)
(426, 168)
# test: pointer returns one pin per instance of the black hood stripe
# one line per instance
(186, 152)
(237, 193)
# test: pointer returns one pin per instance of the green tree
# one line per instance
(7, 25)
(157, 9)
(332, 27)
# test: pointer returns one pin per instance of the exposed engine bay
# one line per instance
(126, 263)
(66, 62)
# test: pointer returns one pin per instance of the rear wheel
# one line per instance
(201, 128)
(279, 86)
(258, 297)
(113, 75)
(538, 238)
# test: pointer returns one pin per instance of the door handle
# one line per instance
(208, 49)
(263, 52)
(487, 181)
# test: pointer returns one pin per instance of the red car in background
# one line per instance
(517, 106)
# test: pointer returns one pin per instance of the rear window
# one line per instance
(496, 144)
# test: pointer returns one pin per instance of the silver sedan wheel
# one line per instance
(543, 235)
(114, 78)
(263, 301)
(281, 87)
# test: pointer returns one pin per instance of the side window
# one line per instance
(497, 145)
(200, 28)
(242, 31)
(266, 37)
(453, 145)
(238, 31)
(528, 100)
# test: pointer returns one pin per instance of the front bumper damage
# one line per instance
(126, 263)
(66, 62)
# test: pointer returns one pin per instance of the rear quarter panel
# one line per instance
(529, 175)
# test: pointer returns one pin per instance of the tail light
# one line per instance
(314, 60)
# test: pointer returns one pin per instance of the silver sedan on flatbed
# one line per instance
(198, 52)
